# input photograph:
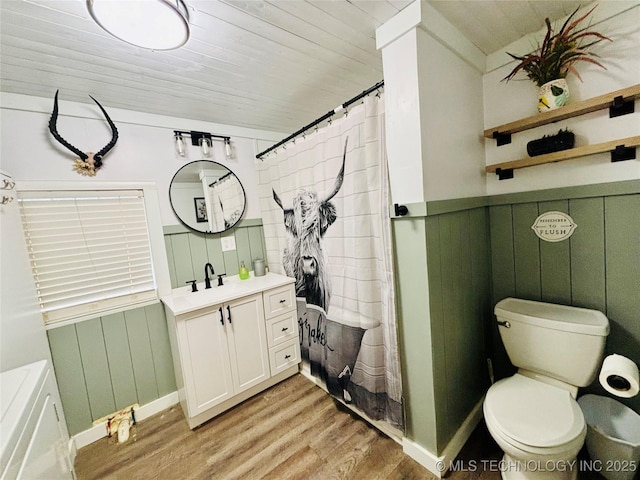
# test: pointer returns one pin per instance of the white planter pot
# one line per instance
(553, 94)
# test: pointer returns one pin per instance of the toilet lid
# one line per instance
(533, 413)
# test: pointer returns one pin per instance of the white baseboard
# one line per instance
(438, 465)
(99, 431)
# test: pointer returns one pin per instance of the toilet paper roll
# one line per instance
(619, 376)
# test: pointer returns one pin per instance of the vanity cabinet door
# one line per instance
(244, 319)
(205, 355)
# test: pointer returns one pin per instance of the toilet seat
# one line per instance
(534, 416)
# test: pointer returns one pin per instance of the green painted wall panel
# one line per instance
(526, 252)
(481, 287)
(459, 296)
(70, 375)
(622, 246)
(214, 254)
(243, 248)
(588, 254)
(503, 279)
(170, 260)
(198, 255)
(141, 356)
(555, 278)
(181, 251)
(96, 367)
(119, 357)
(256, 242)
(160, 349)
(414, 330)
(437, 315)
(598, 267)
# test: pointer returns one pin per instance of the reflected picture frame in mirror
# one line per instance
(207, 197)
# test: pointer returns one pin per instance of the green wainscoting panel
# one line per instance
(502, 252)
(214, 253)
(588, 254)
(438, 328)
(65, 352)
(198, 256)
(160, 349)
(555, 278)
(141, 356)
(189, 251)
(181, 255)
(170, 260)
(108, 363)
(117, 345)
(414, 330)
(622, 249)
(459, 297)
(503, 276)
(96, 367)
(526, 251)
(256, 242)
(597, 267)
(243, 247)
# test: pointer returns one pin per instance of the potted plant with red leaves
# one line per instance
(549, 64)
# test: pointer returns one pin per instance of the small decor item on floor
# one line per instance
(120, 423)
(556, 57)
(563, 140)
(88, 163)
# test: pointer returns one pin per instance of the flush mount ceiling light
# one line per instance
(152, 24)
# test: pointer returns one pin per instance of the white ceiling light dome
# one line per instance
(151, 24)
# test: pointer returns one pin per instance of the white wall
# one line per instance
(144, 152)
(517, 99)
(451, 105)
(434, 111)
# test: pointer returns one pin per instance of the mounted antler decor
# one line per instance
(88, 163)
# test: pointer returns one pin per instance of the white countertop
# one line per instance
(183, 300)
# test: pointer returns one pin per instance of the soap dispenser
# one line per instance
(243, 273)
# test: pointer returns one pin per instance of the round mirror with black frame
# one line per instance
(207, 197)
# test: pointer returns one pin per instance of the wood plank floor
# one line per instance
(294, 430)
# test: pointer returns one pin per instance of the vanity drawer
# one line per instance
(278, 301)
(282, 328)
(284, 356)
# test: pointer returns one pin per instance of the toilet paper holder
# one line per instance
(619, 376)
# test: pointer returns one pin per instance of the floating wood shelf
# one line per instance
(572, 110)
(565, 154)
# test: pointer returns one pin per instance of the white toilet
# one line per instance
(533, 415)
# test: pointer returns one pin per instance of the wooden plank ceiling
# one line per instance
(272, 65)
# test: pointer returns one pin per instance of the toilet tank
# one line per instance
(558, 341)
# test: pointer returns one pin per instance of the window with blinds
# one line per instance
(90, 252)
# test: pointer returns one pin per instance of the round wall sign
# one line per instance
(554, 226)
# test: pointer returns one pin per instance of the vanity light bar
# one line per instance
(202, 139)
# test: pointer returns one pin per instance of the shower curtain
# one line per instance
(325, 210)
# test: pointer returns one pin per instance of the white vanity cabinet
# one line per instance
(231, 342)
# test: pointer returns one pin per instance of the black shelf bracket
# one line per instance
(400, 210)
(502, 138)
(622, 153)
(620, 107)
(504, 173)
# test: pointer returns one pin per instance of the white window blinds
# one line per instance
(89, 251)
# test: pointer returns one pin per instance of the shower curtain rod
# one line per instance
(324, 117)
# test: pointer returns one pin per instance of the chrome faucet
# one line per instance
(207, 280)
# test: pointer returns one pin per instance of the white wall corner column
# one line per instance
(434, 110)
(434, 126)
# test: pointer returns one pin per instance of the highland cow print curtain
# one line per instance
(325, 208)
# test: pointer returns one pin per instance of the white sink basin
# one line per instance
(183, 300)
